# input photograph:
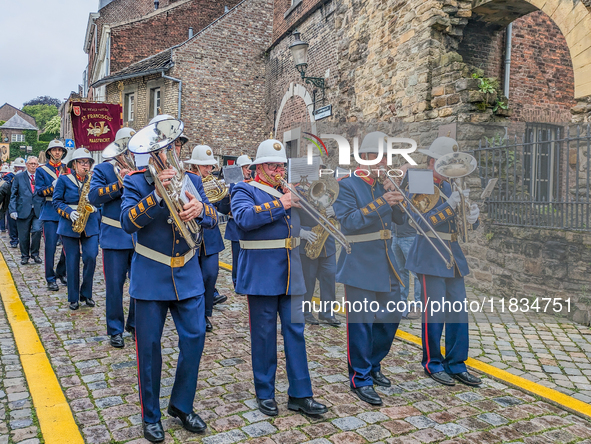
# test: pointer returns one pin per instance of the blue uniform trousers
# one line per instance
(72, 247)
(12, 230)
(190, 325)
(263, 312)
(235, 253)
(450, 290)
(369, 335)
(3, 222)
(210, 267)
(324, 269)
(50, 236)
(116, 266)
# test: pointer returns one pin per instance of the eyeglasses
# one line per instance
(83, 162)
(275, 166)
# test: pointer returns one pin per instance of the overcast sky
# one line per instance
(41, 45)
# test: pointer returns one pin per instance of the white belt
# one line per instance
(378, 235)
(112, 222)
(173, 262)
(49, 199)
(290, 243)
(452, 237)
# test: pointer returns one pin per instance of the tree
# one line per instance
(44, 100)
(53, 126)
(41, 113)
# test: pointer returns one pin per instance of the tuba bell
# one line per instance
(150, 140)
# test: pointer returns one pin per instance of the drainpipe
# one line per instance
(180, 82)
(508, 60)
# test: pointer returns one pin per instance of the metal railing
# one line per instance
(543, 177)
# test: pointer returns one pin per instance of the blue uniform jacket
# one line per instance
(67, 193)
(308, 223)
(233, 233)
(44, 188)
(360, 209)
(142, 214)
(421, 257)
(212, 237)
(105, 192)
(270, 272)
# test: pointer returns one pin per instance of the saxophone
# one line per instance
(84, 208)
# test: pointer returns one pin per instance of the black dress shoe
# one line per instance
(63, 280)
(368, 394)
(467, 378)
(310, 319)
(13, 245)
(208, 326)
(52, 286)
(154, 432)
(380, 379)
(24, 261)
(37, 260)
(306, 405)
(219, 298)
(90, 302)
(268, 407)
(74, 305)
(330, 320)
(117, 341)
(192, 421)
(441, 377)
(130, 329)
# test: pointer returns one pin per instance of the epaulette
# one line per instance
(249, 180)
(193, 172)
(136, 172)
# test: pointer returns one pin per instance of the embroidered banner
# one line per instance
(95, 124)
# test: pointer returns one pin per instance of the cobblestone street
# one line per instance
(100, 381)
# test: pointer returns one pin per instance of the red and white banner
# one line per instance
(95, 124)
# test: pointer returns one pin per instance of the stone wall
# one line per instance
(531, 262)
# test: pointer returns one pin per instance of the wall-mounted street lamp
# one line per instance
(299, 51)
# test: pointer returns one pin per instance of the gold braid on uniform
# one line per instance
(270, 180)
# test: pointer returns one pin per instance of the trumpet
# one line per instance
(316, 215)
(152, 139)
(456, 166)
(448, 263)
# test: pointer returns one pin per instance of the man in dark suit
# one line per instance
(25, 208)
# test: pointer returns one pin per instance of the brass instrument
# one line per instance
(322, 194)
(117, 151)
(84, 209)
(448, 263)
(456, 166)
(215, 190)
(323, 222)
(150, 140)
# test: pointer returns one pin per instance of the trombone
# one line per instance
(448, 263)
(316, 215)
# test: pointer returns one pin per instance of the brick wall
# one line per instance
(483, 46)
(223, 74)
(301, 8)
(140, 38)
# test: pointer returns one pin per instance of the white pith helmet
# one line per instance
(55, 144)
(202, 155)
(19, 162)
(270, 151)
(243, 160)
(371, 142)
(124, 133)
(440, 147)
(81, 153)
(184, 139)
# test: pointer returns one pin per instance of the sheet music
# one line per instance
(233, 174)
(420, 181)
(298, 167)
(190, 187)
(489, 188)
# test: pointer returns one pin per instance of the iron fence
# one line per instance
(543, 177)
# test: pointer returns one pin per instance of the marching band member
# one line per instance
(69, 190)
(366, 210)
(45, 180)
(269, 272)
(440, 283)
(203, 163)
(105, 191)
(232, 231)
(165, 275)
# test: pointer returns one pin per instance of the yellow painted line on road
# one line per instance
(546, 393)
(53, 411)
